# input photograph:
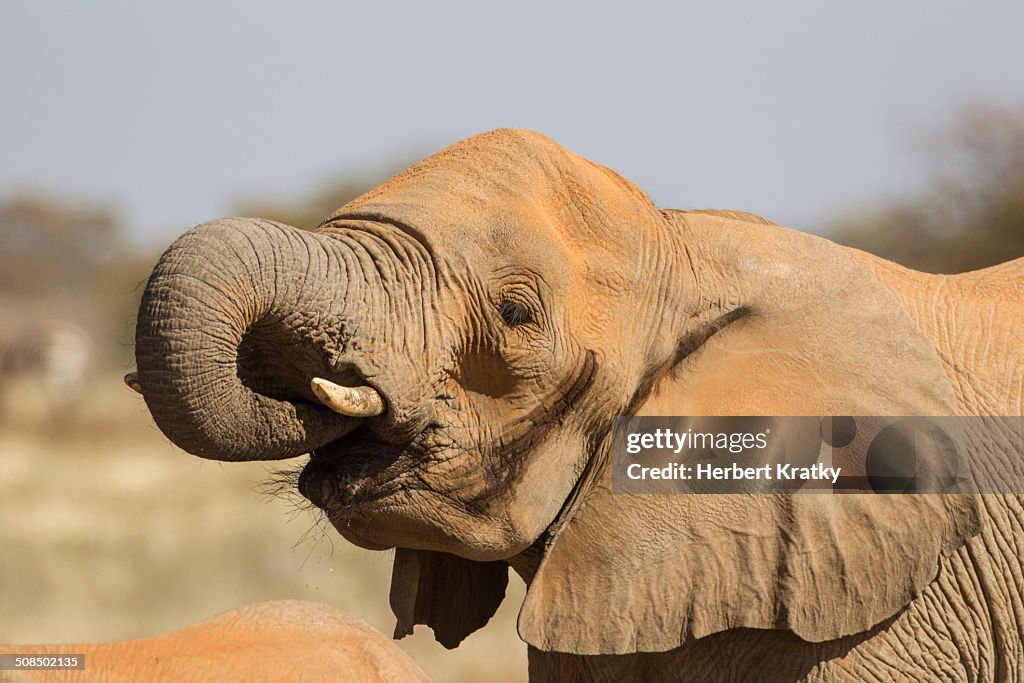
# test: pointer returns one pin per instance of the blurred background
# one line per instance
(893, 127)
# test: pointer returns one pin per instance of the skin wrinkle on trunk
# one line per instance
(228, 294)
(189, 386)
(399, 266)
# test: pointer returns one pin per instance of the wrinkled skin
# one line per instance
(507, 299)
(269, 641)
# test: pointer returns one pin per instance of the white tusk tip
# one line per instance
(361, 401)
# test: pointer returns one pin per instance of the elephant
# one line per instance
(268, 641)
(452, 348)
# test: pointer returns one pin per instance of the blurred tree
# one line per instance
(52, 247)
(65, 260)
(971, 214)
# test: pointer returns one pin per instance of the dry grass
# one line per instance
(110, 532)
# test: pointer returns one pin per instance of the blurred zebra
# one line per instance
(56, 352)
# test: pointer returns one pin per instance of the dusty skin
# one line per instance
(505, 300)
(270, 641)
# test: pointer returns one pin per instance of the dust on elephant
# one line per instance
(452, 349)
(269, 641)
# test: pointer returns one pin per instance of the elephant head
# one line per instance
(500, 303)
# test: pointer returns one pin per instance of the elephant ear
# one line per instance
(452, 595)
(649, 573)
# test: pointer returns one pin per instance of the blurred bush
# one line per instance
(65, 260)
(971, 212)
(51, 248)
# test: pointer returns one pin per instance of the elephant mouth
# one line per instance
(366, 487)
(360, 468)
(354, 470)
(374, 487)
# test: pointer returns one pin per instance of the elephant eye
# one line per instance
(513, 313)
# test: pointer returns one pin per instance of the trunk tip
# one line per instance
(132, 380)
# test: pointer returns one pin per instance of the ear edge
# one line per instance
(567, 610)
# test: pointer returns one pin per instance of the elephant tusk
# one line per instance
(132, 380)
(351, 401)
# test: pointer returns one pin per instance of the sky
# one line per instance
(796, 110)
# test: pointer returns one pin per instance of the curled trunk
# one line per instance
(226, 285)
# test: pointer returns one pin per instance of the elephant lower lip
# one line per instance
(345, 530)
(316, 488)
(337, 482)
(324, 488)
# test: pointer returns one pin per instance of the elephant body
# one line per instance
(454, 346)
(271, 641)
